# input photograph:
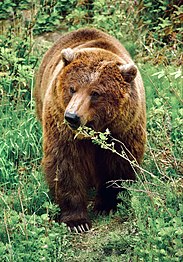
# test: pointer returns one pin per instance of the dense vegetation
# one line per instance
(148, 226)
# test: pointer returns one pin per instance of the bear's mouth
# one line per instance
(73, 127)
(90, 124)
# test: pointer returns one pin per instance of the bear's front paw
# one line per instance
(78, 225)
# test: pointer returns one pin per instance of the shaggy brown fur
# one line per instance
(88, 78)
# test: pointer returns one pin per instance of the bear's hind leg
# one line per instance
(111, 167)
(106, 199)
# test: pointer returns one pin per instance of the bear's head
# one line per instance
(93, 87)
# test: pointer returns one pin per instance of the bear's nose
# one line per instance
(73, 120)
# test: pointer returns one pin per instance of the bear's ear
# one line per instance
(128, 71)
(67, 55)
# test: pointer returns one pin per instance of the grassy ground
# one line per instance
(148, 227)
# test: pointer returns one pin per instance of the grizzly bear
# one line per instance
(88, 79)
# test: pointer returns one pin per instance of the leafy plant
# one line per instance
(32, 238)
(47, 17)
(161, 28)
(6, 9)
(158, 212)
(17, 66)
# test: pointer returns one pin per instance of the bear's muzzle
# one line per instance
(73, 120)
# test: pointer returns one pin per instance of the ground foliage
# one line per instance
(148, 225)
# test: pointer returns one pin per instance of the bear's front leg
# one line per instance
(66, 176)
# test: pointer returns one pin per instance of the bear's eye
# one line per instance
(94, 95)
(72, 90)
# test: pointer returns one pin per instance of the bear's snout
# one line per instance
(73, 120)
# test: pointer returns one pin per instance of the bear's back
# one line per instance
(82, 38)
(86, 38)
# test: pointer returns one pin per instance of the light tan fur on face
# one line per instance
(94, 76)
(80, 105)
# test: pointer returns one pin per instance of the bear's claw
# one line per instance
(79, 229)
(77, 225)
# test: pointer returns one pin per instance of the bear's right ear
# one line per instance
(67, 55)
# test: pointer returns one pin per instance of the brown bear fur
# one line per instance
(89, 76)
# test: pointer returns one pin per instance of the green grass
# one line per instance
(148, 227)
(26, 232)
(20, 140)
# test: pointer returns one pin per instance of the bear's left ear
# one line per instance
(128, 71)
(67, 55)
